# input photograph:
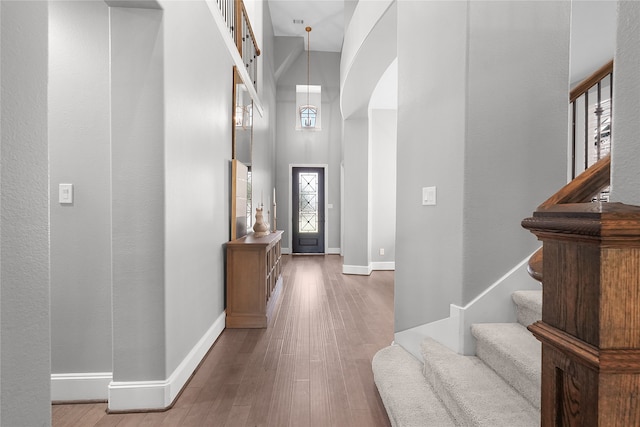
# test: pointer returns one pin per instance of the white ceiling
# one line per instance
(325, 17)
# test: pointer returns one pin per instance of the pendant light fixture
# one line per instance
(308, 112)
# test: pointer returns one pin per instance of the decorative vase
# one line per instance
(260, 228)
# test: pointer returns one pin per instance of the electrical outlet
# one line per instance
(381, 251)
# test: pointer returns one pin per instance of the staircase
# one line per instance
(500, 386)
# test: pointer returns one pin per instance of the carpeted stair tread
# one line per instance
(528, 306)
(472, 392)
(514, 353)
(407, 397)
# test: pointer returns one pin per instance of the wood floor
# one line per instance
(310, 367)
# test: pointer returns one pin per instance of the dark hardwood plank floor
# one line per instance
(310, 367)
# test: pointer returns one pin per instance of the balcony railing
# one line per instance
(235, 16)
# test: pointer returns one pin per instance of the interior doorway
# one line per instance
(308, 209)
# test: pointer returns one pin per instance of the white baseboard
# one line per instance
(494, 305)
(140, 395)
(360, 270)
(285, 251)
(80, 386)
(379, 266)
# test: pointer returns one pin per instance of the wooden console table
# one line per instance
(254, 276)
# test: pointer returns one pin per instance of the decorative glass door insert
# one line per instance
(308, 207)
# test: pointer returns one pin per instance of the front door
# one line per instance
(308, 210)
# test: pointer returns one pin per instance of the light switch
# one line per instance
(330, 206)
(65, 194)
(429, 196)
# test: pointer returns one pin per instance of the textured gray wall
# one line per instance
(24, 216)
(625, 173)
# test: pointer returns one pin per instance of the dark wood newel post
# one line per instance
(590, 327)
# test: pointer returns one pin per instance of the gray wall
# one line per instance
(137, 154)
(515, 147)
(198, 87)
(264, 127)
(383, 136)
(80, 151)
(431, 133)
(591, 49)
(357, 196)
(476, 124)
(24, 216)
(625, 173)
(304, 147)
(170, 145)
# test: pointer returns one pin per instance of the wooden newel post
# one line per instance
(590, 327)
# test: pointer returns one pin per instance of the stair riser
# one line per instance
(528, 306)
(527, 385)
(490, 404)
(442, 391)
(526, 316)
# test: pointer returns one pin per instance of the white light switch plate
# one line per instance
(429, 196)
(65, 195)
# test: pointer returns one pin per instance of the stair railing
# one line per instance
(591, 107)
(590, 332)
(246, 42)
(581, 190)
(235, 16)
(591, 123)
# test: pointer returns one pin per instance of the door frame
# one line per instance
(326, 201)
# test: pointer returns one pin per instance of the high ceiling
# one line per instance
(592, 30)
(325, 17)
